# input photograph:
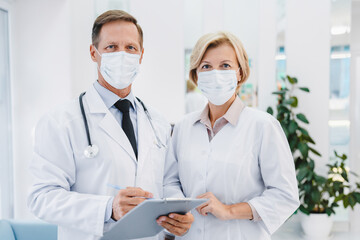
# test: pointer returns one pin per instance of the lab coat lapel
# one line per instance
(146, 136)
(108, 123)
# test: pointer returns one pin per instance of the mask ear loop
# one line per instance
(99, 55)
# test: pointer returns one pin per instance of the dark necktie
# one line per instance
(124, 106)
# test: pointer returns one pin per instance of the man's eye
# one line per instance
(110, 47)
(131, 48)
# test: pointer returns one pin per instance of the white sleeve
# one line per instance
(54, 172)
(280, 199)
(172, 185)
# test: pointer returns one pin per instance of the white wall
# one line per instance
(161, 80)
(266, 64)
(82, 69)
(307, 47)
(41, 77)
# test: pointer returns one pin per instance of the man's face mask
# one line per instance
(119, 69)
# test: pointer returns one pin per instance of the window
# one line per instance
(6, 176)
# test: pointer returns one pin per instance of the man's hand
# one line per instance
(176, 223)
(214, 206)
(126, 200)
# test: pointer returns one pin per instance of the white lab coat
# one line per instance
(249, 162)
(69, 189)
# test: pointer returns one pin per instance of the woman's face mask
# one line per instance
(218, 86)
(119, 69)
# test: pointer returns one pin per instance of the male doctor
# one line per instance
(125, 145)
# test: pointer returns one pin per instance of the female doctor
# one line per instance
(235, 156)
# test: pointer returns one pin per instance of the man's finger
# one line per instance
(135, 201)
(136, 192)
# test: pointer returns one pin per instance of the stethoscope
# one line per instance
(92, 150)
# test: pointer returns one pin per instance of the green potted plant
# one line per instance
(319, 195)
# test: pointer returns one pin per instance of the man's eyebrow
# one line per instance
(133, 43)
(112, 43)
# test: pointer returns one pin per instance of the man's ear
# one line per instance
(141, 56)
(93, 53)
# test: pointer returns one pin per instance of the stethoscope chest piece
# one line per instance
(91, 151)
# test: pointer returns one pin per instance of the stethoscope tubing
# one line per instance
(158, 141)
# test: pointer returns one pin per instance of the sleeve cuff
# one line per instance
(108, 211)
(256, 216)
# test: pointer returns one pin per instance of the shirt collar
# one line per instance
(232, 115)
(111, 98)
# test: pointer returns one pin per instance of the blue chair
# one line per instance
(27, 230)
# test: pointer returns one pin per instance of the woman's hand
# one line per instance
(214, 206)
(176, 223)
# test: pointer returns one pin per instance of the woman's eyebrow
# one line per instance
(226, 61)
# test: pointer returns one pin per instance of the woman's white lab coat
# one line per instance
(69, 189)
(250, 162)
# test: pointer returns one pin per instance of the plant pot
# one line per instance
(316, 225)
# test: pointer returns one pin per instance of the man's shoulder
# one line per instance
(63, 113)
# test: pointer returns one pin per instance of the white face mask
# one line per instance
(119, 69)
(218, 86)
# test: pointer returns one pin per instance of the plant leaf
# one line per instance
(305, 89)
(304, 210)
(320, 179)
(352, 201)
(314, 151)
(339, 198)
(302, 118)
(328, 211)
(291, 80)
(304, 131)
(295, 102)
(289, 101)
(357, 196)
(302, 173)
(304, 149)
(345, 176)
(270, 110)
(346, 201)
(292, 126)
(315, 195)
(279, 92)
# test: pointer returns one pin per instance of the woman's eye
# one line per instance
(206, 66)
(225, 65)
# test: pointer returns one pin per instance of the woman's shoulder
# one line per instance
(257, 116)
(188, 119)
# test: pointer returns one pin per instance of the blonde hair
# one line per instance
(213, 40)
